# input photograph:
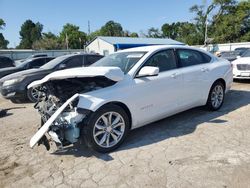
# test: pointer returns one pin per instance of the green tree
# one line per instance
(30, 32)
(232, 23)
(3, 42)
(220, 27)
(2, 23)
(112, 28)
(170, 30)
(134, 35)
(154, 33)
(201, 20)
(49, 41)
(93, 35)
(72, 36)
(182, 31)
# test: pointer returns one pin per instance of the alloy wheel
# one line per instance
(109, 129)
(217, 96)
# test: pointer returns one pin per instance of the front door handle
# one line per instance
(204, 69)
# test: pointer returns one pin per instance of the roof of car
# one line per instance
(79, 53)
(42, 57)
(159, 47)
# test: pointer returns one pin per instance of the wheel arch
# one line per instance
(219, 80)
(123, 106)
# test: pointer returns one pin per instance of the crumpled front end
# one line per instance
(62, 120)
(61, 126)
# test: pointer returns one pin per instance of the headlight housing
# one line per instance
(12, 81)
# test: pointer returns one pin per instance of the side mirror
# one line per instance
(148, 71)
(62, 66)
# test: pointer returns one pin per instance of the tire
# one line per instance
(102, 138)
(16, 101)
(216, 96)
(31, 95)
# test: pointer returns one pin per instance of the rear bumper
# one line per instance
(241, 77)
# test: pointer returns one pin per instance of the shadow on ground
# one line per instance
(178, 125)
(5, 112)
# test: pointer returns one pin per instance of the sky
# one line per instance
(133, 15)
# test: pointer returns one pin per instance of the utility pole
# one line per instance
(205, 40)
(67, 41)
(89, 27)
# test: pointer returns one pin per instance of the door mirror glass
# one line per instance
(148, 71)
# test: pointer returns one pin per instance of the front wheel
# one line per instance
(107, 128)
(33, 94)
(216, 96)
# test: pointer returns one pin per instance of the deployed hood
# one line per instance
(112, 73)
(242, 60)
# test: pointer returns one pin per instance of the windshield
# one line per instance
(246, 54)
(124, 60)
(53, 63)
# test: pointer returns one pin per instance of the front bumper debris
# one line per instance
(41, 132)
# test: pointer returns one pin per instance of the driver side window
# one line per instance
(164, 60)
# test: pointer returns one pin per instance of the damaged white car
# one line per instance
(126, 90)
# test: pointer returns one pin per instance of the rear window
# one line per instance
(90, 59)
(192, 57)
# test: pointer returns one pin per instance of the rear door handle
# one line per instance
(174, 75)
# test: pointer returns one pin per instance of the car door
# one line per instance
(160, 95)
(196, 80)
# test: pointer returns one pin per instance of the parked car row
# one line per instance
(14, 86)
(125, 90)
(240, 59)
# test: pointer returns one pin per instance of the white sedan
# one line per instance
(241, 66)
(127, 90)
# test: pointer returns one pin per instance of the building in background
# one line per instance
(108, 45)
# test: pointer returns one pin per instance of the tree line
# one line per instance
(222, 21)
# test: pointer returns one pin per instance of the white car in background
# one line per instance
(241, 66)
(127, 90)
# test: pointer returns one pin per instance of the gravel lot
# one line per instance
(192, 149)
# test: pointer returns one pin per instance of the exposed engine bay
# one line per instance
(65, 129)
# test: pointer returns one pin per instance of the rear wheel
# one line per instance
(107, 128)
(216, 96)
